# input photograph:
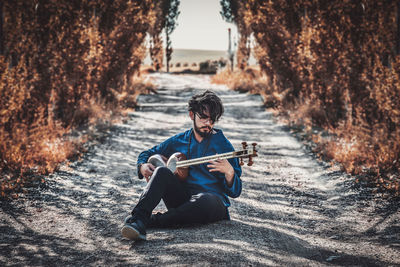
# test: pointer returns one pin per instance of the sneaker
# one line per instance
(133, 229)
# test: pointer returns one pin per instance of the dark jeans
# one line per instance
(183, 207)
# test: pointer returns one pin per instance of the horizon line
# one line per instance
(205, 49)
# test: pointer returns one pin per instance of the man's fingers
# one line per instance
(214, 164)
(213, 167)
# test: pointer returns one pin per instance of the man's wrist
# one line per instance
(230, 174)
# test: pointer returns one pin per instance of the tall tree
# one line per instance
(156, 43)
(229, 14)
(229, 10)
(171, 9)
(233, 12)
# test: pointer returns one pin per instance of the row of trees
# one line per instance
(167, 13)
(62, 63)
(233, 12)
(338, 63)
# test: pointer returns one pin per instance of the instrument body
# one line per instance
(179, 164)
(161, 161)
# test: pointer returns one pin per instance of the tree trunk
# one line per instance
(167, 50)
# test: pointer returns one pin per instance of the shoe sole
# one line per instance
(131, 233)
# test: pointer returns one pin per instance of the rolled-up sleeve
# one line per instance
(161, 148)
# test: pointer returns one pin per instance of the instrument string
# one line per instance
(186, 163)
(189, 162)
(201, 160)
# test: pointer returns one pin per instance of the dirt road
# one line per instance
(293, 211)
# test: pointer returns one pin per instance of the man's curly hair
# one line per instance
(207, 101)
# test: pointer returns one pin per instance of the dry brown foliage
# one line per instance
(65, 64)
(335, 65)
(241, 80)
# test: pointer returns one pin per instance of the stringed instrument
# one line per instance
(179, 164)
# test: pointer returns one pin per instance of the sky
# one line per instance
(200, 26)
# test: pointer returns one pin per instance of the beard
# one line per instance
(198, 130)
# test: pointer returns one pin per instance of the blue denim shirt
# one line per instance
(200, 179)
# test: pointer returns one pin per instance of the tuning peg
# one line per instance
(250, 161)
(244, 144)
(254, 148)
(241, 163)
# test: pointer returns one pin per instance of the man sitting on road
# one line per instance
(203, 196)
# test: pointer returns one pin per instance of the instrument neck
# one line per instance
(191, 162)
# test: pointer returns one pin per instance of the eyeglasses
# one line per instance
(205, 119)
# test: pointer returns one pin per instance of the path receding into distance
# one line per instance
(293, 210)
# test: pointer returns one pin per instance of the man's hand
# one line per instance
(223, 166)
(147, 170)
